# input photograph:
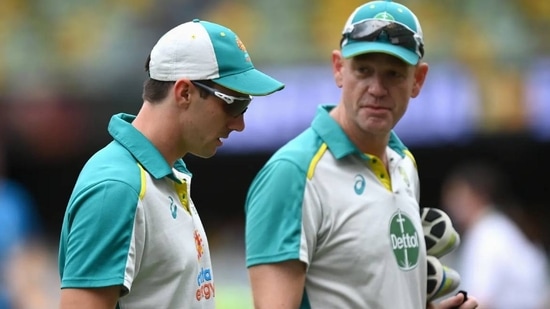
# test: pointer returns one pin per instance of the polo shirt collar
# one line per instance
(336, 139)
(121, 129)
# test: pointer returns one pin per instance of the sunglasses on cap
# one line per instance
(235, 106)
(396, 33)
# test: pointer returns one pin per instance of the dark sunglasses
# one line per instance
(398, 34)
(235, 106)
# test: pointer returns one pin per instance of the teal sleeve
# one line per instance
(96, 235)
(274, 213)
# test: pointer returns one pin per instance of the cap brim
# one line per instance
(353, 49)
(251, 82)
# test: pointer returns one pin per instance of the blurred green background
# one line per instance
(66, 66)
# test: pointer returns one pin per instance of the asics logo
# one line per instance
(359, 185)
(173, 207)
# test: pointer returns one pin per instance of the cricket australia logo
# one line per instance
(384, 16)
(404, 241)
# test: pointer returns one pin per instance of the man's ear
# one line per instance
(420, 73)
(337, 66)
(181, 91)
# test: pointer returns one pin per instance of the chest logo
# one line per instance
(404, 176)
(198, 244)
(173, 207)
(405, 241)
(359, 185)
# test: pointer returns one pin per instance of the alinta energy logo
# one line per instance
(405, 241)
(205, 281)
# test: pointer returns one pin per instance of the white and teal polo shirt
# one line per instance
(131, 222)
(355, 225)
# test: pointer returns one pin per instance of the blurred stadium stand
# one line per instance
(66, 66)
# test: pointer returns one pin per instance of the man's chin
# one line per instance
(205, 154)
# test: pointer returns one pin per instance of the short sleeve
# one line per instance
(96, 238)
(274, 213)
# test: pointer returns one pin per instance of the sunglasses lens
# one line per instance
(234, 106)
(368, 30)
(238, 107)
(397, 34)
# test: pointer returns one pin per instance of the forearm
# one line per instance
(100, 298)
(278, 286)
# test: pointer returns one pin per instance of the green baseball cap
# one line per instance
(202, 50)
(384, 11)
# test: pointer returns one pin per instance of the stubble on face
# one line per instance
(379, 87)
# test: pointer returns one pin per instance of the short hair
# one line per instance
(156, 90)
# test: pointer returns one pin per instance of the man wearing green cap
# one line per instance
(332, 219)
(132, 236)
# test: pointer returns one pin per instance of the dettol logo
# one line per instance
(405, 241)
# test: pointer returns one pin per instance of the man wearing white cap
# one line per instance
(132, 236)
(332, 219)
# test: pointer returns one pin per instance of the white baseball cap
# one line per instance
(202, 50)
